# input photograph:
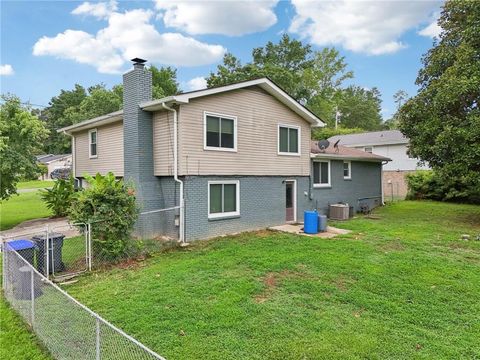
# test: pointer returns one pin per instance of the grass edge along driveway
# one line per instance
(401, 286)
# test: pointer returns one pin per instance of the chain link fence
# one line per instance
(68, 329)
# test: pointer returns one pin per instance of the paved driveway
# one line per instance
(37, 226)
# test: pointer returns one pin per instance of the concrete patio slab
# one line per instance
(298, 229)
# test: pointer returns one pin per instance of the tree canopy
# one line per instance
(443, 119)
(315, 78)
(78, 104)
(21, 136)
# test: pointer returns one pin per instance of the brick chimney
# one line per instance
(138, 144)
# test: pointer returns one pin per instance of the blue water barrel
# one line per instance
(322, 223)
(310, 222)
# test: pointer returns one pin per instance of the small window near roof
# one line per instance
(288, 140)
(347, 170)
(220, 132)
(368, 149)
(223, 198)
(321, 173)
(92, 143)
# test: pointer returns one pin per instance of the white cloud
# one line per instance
(369, 27)
(128, 35)
(6, 70)
(232, 18)
(432, 30)
(197, 83)
(100, 10)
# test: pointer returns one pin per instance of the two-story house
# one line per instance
(225, 159)
(392, 144)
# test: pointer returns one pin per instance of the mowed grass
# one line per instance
(16, 341)
(20, 208)
(35, 184)
(401, 286)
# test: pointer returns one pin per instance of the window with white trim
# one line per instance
(368, 149)
(321, 173)
(347, 170)
(223, 199)
(92, 143)
(288, 140)
(220, 132)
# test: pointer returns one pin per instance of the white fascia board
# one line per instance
(347, 157)
(98, 121)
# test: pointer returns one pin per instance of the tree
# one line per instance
(21, 136)
(360, 108)
(443, 119)
(399, 98)
(315, 78)
(78, 104)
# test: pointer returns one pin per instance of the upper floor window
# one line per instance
(321, 173)
(92, 143)
(347, 170)
(223, 198)
(220, 132)
(368, 149)
(288, 140)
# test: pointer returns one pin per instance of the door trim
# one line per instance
(294, 199)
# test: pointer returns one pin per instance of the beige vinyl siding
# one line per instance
(109, 151)
(163, 143)
(258, 116)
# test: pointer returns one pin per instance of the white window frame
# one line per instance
(224, 116)
(349, 177)
(319, 185)
(90, 143)
(299, 152)
(224, 214)
(368, 147)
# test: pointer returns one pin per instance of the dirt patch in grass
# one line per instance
(272, 279)
(343, 283)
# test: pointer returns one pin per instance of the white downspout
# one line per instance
(175, 170)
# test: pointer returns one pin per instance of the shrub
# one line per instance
(327, 132)
(59, 197)
(109, 204)
(429, 184)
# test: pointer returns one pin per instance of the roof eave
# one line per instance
(98, 121)
(348, 157)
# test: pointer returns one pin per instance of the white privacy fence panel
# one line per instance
(68, 329)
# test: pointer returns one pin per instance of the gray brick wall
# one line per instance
(152, 192)
(262, 199)
(365, 183)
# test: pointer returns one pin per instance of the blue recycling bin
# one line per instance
(25, 248)
(310, 222)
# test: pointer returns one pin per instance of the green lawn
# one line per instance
(35, 184)
(22, 207)
(402, 285)
(16, 341)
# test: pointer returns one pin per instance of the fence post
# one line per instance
(47, 251)
(32, 301)
(97, 342)
(4, 265)
(89, 237)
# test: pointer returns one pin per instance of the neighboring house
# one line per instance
(54, 162)
(392, 144)
(227, 159)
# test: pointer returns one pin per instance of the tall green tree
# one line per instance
(399, 99)
(443, 119)
(21, 136)
(360, 108)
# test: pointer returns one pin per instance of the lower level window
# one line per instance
(223, 198)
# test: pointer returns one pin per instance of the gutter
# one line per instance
(175, 171)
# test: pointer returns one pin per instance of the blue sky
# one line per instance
(48, 46)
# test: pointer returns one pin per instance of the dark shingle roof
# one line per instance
(386, 137)
(343, 152)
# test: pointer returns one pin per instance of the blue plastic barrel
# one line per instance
(322, 223)
(310, 222)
